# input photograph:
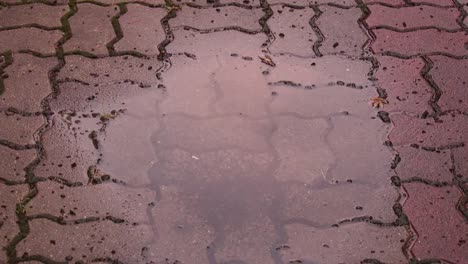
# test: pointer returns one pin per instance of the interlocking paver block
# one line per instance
(428, 41)
(442, 231)
(209, 3)
(34, 39)
(388, 2)
(313, 2)
(431, 165)
(115, 2)
(86, 241)
(41, 14)
(13, 162)
(329, 78)
(461, 162)
(292, 30)
(182, 236)
(229, 16)
(350, 243)
(407, 90)
(337, 202)
(413, 17)
(450, 76)
(304, 156)
(435, 2)
(19, 129)
(27, 83)
(52, 2)
(8, 226)
(214, 133)
(427, 132)
(341, 31)
(140, 32)
(91, 28)
(102, 200)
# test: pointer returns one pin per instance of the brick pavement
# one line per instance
(233, 131)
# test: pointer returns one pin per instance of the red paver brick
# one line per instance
(87, 241)
(140, 32)
(441, 229)
(431, 165)
(101, 200)
(449, 130)
(346, 244)
(450, 76)
(303, 158)
(309, 2)
(34, 39)
(420, 42)
(209, 3)
(435, 2)
(388, 2)
(19, 129)
(27, 83)
(341, 31)
(292, 30)
(461, 161)
(413, 17)
(13, 162)
(52, 2)
(304, 201)
(466, 18)
(115, 2)
(223, 17)
(10, 195)
(91, 28)
(406, 88)
(41, 14)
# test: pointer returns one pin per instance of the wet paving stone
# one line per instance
(406, 89)
(217, 2)
(387, 2)
(413, 17)
(89, 241)
(441, 229)
(292, 30)
(451, 82)
(91, 28)
(427, 132)
(224, 17)
(19, 129)
(44, 15)
(27, 83)
(428, 41)
(348, 243)
(20, 39)
(461, 162)
(425, 164)
(314, 2)
(102, 200)
(140, 32)
(8, 226)
(341, 31)
(435, 2)
(13, 162)
(302, 201)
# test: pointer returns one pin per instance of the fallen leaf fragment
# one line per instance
(378, 102)
(267, 60)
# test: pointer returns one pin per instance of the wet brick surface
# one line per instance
(233, 131)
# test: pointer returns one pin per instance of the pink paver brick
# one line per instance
(406, 88)
(311, 2)
(19, 129)
(450, 76)
(140, 32)
(428, 41)
(34, 39)
(292, 31)
(461, 162)
(431, 165)
(442, 231)
(44, 15)
(13, 162)
(91, 28)
(228, 16)
(450, 129)
(388, 2)
(413, 17)
(27, 83)
(341, 30)
(435, 2)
